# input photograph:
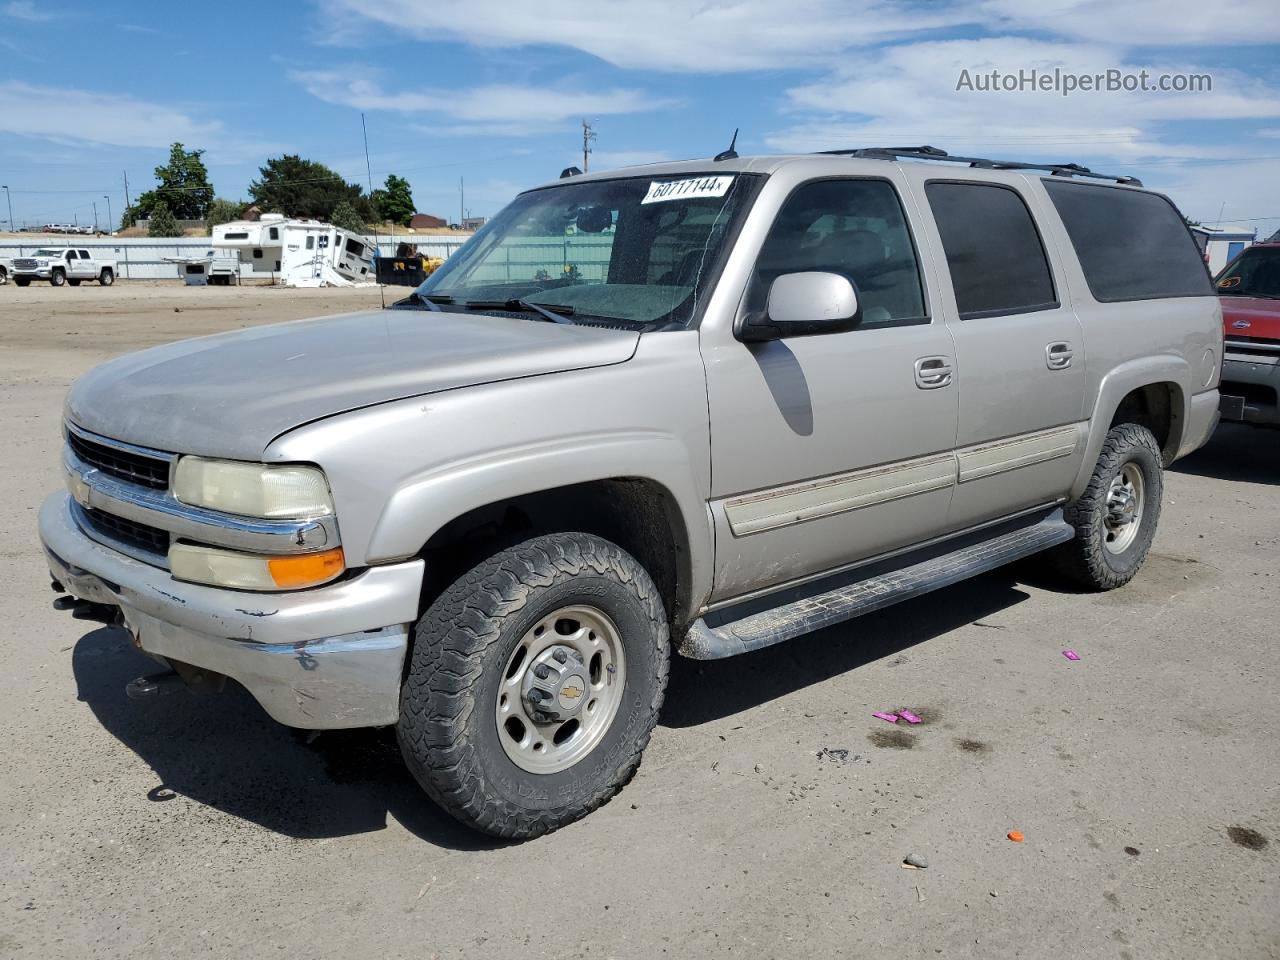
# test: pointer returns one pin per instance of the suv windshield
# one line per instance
(637, 252)
(1255, 273)
(48, 252)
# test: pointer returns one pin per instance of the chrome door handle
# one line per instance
(933, 372)
(1057, 356)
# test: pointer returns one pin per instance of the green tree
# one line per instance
(223, 211)
(394, 202)
(163, 223)
(303, 188)
(347, 217)
(184, 186)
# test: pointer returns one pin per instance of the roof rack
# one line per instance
(933, 153)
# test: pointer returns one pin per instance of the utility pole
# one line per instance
(462, 202)
(95, 216)
(110, 228)
(9, 200)
(126, 189)
(587, 136)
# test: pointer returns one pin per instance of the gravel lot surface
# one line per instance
(1144, 777)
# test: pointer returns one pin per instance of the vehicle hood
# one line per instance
(231, 394)
(1254, 317)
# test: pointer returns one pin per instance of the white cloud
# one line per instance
(693, 36)
(498, 109)
(69, 115)
(26, 10)
(907, 94)
(1140, 22)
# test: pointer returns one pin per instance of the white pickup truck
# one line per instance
(6, 268)
(63, 265)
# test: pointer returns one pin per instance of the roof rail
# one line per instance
(933, 153)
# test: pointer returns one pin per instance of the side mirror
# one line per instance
(803, 304)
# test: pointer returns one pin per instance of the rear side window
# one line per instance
(997, 261)
(1131, 245)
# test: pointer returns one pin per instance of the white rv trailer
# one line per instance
(299, 253)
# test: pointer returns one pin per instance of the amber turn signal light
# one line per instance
(306, 569)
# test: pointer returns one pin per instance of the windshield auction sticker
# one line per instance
(661, 190)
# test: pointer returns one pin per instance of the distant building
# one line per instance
(425, 221)
(472, 223)
(1220, 245)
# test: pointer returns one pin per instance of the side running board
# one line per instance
(719, 634)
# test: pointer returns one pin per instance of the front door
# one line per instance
(1019, 350)
(832, 448)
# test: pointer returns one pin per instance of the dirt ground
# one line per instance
(1144, 777)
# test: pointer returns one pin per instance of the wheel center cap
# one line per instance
(572, 690)
(555, 684)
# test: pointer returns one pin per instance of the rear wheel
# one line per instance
(1116, 518)
(58, 278)
(106, 278)
(534, 685)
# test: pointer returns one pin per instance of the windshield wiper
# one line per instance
(561, 314)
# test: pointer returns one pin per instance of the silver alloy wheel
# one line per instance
(561, 689)
(1125, 503)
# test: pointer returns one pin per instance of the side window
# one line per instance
(855, 228)
(71, 255)
(275, 233)
(84, 255)
(994, 252)
(1131, 245)
(311, 242)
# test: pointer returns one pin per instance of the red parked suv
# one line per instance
(1249, 289)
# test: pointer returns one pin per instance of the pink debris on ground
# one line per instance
(908, 716)
(1071, 654)
(885, 716)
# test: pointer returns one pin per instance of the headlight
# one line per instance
(253, 489)
(248, 571)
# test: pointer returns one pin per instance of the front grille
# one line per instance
(140, 536)
(122, 464)
(24, 264)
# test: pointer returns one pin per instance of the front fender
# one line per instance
(400, 471)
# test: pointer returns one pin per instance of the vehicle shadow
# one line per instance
(1236, 452)
(224, 751)
(701, 691)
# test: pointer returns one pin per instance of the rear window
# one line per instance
(1132, 245)
(997, 262)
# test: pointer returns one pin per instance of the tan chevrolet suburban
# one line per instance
(698, 407)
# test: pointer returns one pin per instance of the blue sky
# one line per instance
(494, 91)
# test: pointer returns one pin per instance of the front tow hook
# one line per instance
(153, 685)
(88, 610)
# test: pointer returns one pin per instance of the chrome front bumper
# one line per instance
(325, 658)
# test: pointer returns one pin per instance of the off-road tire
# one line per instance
(1086, 559)
(447, 730)
(4, 276)
(106, 278)
(22, 281)
(57, 278)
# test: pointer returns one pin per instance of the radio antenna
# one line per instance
(731, 153)
(377, 249)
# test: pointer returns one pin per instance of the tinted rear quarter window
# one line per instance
(997, 261)
(1131, 245)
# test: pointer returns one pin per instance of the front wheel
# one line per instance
(58, 278)
(4, 276)
(534, 684)
(1116, 518)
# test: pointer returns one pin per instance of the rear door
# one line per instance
(1019, 347)
(88, 266)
